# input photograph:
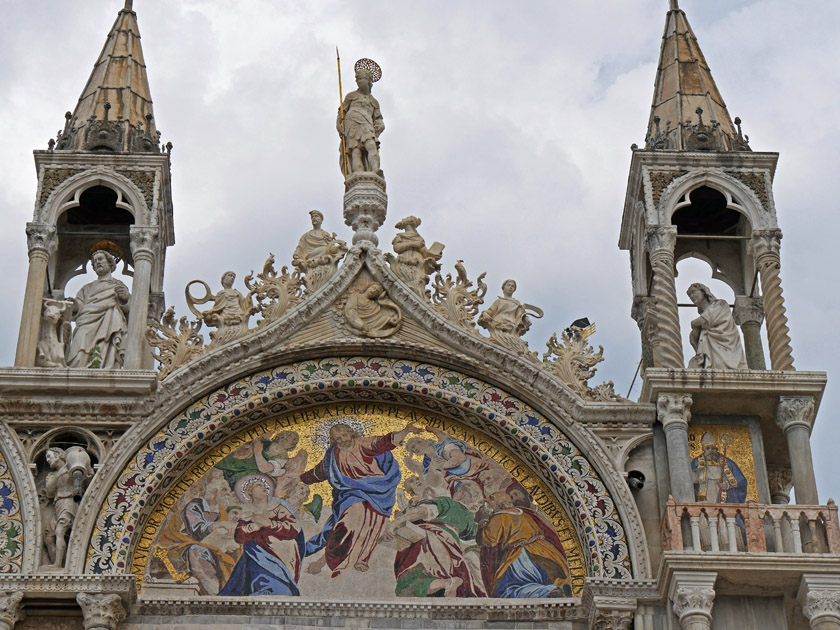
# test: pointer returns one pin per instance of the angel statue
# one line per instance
(507, 320)
(230, 311)
(359, 123)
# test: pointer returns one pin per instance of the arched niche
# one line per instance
(126, 505)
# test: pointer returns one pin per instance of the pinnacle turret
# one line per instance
(114, 112)
(688, 113)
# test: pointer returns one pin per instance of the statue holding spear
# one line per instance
(359, 122)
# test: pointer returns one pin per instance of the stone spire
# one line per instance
(688, 112)
(114, 112)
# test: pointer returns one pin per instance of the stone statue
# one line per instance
(370, 312)
(55, 332)
(99, 311)
(317, 254)
(414, 262)
(64, 486)
(230, 311)
(362, 124)
(714, 335)
(507, 320)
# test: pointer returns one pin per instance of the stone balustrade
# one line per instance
(750, 527)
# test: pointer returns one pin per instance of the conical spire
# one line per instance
(114, 112)
(688, 112)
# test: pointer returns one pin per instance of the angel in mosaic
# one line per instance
(452, 460)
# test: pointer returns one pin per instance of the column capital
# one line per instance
(795, 411)
(661, 238)
(10, 609)
(780, 480)
(102, 611)
(765, 243)
(615, 619)
(143, 241)
(819, 596)
(41, 239)
(748, 310)
(692, 594)
(673, 410)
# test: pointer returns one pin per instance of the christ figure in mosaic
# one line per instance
(364, 477)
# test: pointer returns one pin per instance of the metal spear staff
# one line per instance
(341, 110)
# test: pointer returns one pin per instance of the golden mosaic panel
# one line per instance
(734, 443)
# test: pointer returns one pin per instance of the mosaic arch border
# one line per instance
(200, 426)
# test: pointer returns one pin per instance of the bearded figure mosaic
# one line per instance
(375, 505)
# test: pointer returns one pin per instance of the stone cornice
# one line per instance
(59, 586)
(36, 381)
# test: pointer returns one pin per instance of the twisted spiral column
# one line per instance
(660, 245)
(765, 250)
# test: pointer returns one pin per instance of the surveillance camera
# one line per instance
(636, 480)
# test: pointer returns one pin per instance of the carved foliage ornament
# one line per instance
(10, 609)
(41, 237)
(795, 411)
(101, 611)
(612, 620)
(673, 408)
(174, 342)
(456, 299)
(693, 601)
(573, 361)
(661, 239)
(821, 603)
(275, 294)
(659, 182)
(766, 243)
(52, 178)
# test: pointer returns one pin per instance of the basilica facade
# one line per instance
(356, 437)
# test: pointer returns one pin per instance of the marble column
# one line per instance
(660, 241)
(143, 246)
(819, 596)
(674, 412)
(11, 610)
(41, 241)
(749, 313)
(764, 247)
(101, 611)
(692, 595)
(795, 416)
(643, 312)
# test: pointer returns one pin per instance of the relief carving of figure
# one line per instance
(55, 332)
(507, 320)
(414, 261)
(362, 124)
(63, 487)
(99, 311)
(230, 311)
(714, 335)
(370, 312)
(318, 253)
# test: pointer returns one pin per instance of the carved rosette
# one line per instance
(673, 410)
(101, 611)
(144, 242)
(795, 411)
(11, 610)
(693, 606)
(41, 240)
(660, 245)
(365, 205)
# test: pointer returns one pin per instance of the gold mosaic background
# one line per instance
(739, 449)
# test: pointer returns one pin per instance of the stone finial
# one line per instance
(795, 411)
(11, 610)
(673, 408)
(102, 611)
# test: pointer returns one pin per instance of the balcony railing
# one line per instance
(750, 527)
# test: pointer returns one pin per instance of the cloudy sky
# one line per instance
(508, 131)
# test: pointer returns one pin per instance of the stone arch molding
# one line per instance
(20, 513)
(133, 196)
(610, 550)
(759, 217)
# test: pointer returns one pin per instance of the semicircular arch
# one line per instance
(549, 452)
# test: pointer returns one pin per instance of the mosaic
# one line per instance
(355, 383)
(400, 503)
(722, 465)
(11, 525)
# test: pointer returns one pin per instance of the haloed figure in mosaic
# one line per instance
(717, 479)
(364, 477)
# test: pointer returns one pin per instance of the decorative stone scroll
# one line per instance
(174, 342)
(573, 361)
(456, 299)
(276, 294)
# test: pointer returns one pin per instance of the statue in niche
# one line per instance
(99, 311)
(714, 335)
(317, 254)
(359, 123)
(230, 311)
(370, 313)
(63, 488)
(414, 261)
(507, 320)
(55, 333)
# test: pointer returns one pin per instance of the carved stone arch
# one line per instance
(748, 203)
(94, 443)
(717, 274)
(568, 459)
(19, 508)
(133, 199)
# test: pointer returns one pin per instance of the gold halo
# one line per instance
(106, 246)
(371, 66)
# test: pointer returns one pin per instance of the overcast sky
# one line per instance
(508, 131)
